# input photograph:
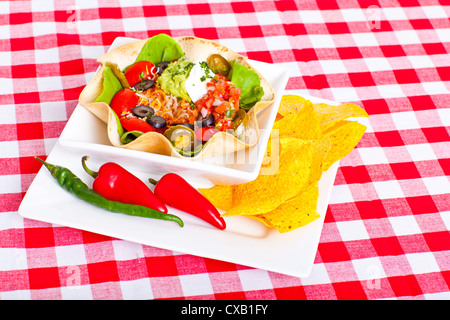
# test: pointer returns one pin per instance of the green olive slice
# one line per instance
(240, 124)
(240, 117)
(181, 137)
(218, 64)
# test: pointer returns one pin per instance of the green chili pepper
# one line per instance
(70, 182)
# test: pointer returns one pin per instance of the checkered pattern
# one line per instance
(386, 232)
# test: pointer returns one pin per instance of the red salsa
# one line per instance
(222, 100)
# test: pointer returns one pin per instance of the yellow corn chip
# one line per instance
(262, 219)
(303, 124)
(267, 192)
(305, 141)
(294, 213)
(344, 136)
(321, 149)
(221, 196)
(329, 114)
(291, 104)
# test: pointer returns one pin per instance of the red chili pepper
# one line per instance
(116, 183)
(176, 192)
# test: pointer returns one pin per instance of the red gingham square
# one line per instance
(356, 174)
(406, 76)
(434, 48)
(159, 266)
(41, 278)
(387, 246)
(349, 290)
(438, 241)
(28, 97)
(445, 165)
(333, 251)
(422, 204)
(439, 134)
(230, 296)
(22, 44)
(242, 7)
(389, 138)
(376, 106)
(29, 165)
(405, 170)
(371, 209)
(392, 51)
(405, 286)
(154, 10)
(23, 70)
(103, 271)
(39, 237)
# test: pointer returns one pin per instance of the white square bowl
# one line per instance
(86, 133)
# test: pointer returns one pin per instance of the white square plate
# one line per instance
(245, 241)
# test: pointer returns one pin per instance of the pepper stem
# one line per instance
(46, 164)
(93, 174)
(152, 181)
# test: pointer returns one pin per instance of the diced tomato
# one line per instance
(226, 93)
(209, 102)
(224, 106)
(139, 71)
(235, 93)
(124, 101)
(205, 133)
(223, 124)
(136, 124)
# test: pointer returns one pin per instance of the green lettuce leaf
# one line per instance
(161, 47)
(129, 136)
(249, 83)
(111, 85)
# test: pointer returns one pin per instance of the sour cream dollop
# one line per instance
(199, 76)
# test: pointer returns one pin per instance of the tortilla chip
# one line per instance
(302, 124)
(296, 212)
(321, 149)
(329, 115)
(291, 104)
(221, 196)
(261, 218)
(306, 140)
(195, 49)
(263, 194)
(344, 136)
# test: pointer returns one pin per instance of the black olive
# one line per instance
(144, 84)
(157, 122)
(142, 111)
(189, 125)
(161, 66)
(208, 121)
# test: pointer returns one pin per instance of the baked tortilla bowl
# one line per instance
(195, 49)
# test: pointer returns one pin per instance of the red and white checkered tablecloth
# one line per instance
(386, 231)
